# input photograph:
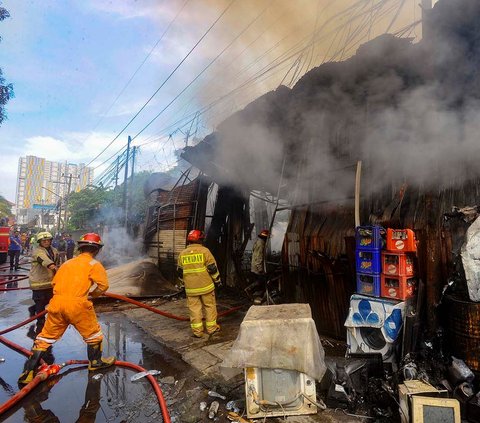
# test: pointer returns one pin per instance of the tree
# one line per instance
(85, 205)
(5, 208)
(6, 90)
(99, 206)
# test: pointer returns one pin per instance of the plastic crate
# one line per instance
(398, 287)
(369, 237)
(397, 264)
(368, 284)
(401, 240)
(368, 261)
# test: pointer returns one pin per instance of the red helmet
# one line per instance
(91, 239)
(195, 235)
(265, 233)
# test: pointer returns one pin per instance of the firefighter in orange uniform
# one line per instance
(70, 306)
(198, 270)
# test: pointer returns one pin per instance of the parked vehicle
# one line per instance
(4, 243)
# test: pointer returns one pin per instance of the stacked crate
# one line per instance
(369, 242)
(398, 278)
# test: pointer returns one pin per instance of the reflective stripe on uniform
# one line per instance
(212, 323)
(193, 258)
(200, 291)
(47, 340)
(95, 335)
(196, 325)
(198, 270)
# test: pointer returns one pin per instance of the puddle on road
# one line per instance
(75, 395)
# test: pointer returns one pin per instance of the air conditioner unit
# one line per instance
(278, 392)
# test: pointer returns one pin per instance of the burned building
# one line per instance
(407, 111)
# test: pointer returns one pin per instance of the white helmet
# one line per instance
(44, 235)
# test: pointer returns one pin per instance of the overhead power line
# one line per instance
(163, 83)
(104, 114)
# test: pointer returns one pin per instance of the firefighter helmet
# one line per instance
(91, 239)
(195, 236)
(44, 235)
(264, 234)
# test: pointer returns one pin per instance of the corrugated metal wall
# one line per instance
(318, 252)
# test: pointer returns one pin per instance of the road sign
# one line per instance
(44, 206)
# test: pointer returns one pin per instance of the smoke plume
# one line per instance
(408, 111)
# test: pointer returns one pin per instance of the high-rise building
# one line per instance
(41, 184)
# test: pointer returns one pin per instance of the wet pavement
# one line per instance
(77, 396)
(189, 366)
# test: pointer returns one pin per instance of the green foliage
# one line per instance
(6, 90)
(99, 206)
(5, 207)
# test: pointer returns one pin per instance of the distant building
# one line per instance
(41, 184)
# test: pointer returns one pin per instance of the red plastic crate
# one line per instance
(401, 240)
(397, 264)
(398, 287)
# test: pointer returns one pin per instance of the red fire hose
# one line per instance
(12, 289)
(14, 279)
(42, 313)
(46, 371)
(164, 313)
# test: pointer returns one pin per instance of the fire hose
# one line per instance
(163, 313)
(14, 279)
(46, 371)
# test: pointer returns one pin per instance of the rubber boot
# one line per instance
(96, 361)
(30, 366)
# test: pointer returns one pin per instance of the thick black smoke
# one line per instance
(409, 112)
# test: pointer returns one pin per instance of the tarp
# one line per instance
(139, 278)
(278, 337)
(470, 253)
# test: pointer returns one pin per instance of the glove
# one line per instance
(96, 293)
(219, 283)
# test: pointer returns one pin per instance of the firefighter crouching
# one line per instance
(70, 306)
(198, 270)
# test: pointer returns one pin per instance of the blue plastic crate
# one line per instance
(369, 261)
(368, 284)
(370, 237)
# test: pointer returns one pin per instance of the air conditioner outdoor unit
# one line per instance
(278, 392)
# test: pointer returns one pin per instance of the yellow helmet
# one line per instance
(44, 235)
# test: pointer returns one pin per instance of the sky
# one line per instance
(71, 64)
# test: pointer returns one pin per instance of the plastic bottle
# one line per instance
(216, 395)
(213, 409)
(143, 374)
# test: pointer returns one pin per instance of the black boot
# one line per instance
(97, 362)
(30, 367)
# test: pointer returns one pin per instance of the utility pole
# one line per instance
(116, 171)
(125, 200)
(59, 214)
(66, 201)
(131, 176)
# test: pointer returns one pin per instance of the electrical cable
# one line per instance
(376, 7)
(104, 114)
(202, 71)
(163, 83)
